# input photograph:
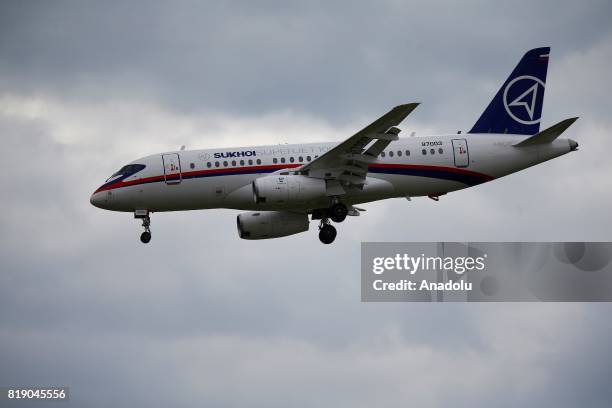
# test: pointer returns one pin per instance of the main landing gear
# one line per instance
(145, 237)
(337, 213)
(327, 232)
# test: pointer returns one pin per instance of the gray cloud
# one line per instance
(330, 60)
(200, 317)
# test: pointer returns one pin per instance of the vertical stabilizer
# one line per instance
(517, 106)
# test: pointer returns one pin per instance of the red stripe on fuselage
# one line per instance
(275, 167)
(188, 174)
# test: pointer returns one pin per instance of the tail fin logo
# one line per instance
(527, 87)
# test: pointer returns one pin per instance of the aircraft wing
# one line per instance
(348, 161)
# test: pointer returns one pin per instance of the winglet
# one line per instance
(547, 135)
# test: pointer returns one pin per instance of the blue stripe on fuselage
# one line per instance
(471, 179)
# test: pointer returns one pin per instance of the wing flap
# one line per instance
(390, 137)
(377, 147)
(363, 158)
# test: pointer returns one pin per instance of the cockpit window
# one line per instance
(128, 170)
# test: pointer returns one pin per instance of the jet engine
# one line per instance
(271, 224)
(277, 189)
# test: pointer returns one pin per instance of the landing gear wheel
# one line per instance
(327, 234)
(145, 237)
(338, 212)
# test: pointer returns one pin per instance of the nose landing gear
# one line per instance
(145, 237)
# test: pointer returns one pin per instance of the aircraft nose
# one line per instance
(96, 200)
(573, 144)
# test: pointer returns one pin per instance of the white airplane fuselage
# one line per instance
(223, 178)
(281, 186)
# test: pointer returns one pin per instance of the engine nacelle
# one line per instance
(292, 189)
(270, 224)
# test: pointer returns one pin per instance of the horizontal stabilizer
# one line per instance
(547, 135)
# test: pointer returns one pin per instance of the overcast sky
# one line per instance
(201, 318)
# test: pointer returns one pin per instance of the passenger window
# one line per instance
(250, 162)
(432, 151)
(307, 158)
(216, 164)
(275, 160)
(291, 159)
(424, 151)
(282, 159)
(233, 162)
(382, 154)
(242, 162)
(208, 165)
(440, 151)
(391, 153)
(192, 165)
(301, 159)
(224, 164)
(399, 153)
(258, 161)
(407, 152)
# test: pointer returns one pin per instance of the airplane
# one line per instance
(280, 186)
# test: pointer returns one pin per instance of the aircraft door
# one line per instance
(460, 152)
(172, 168)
